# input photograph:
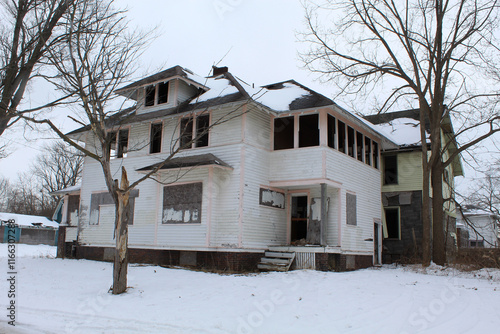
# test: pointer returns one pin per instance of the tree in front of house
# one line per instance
(441, 55)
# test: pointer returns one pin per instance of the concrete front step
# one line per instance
(284, 255)
(272, 267)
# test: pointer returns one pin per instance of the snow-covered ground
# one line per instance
(71, 296)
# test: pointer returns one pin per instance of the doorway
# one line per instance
(377, 243)
(299, 218)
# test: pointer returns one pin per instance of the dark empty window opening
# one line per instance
(350, 205)
(308, 130)
(375, 154)
(186, 131)
(332, 130)
(155, 141)
(283, 133)
(122, 144)
(162, 92)
(112, 144)
(368, 151)
(342, 136)
(150, 96)
(182, 203)
(391, 169)
(359, 146)
(392, 223)
(202, 127)
(350, 141)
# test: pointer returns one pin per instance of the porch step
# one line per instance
(276, 261)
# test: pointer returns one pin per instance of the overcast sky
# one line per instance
(256, 39)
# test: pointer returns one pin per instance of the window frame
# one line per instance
(395, 181)
(398, 223)
(116, 150)
(193, 119)
(199, 196)
(155, 89)
(152, 137)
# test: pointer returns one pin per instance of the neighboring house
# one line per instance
(483, 227)
(278, 168)
(402, 184)
(31, 230)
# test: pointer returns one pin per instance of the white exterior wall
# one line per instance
(231, 214)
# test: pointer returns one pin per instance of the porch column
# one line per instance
(324, 212)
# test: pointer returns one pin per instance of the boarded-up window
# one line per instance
(368, 151)
(283, 133)
(182, 203)
(359, 145)
(72, 213)
(392, 223)
(350, 206)
(332, 129)
(274, 199)
(391, 169)
(342, 136)
(308, 130)
(350, 141)
(99, 199)
(155, 141)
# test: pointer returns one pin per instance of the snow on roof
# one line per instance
(402, 131)
(280, 99)
(477, 212)
(27, 220)
(219, 86)
(66, 190)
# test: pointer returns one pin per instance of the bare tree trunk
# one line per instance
(426, 206)
(121, 235)
(438, 247)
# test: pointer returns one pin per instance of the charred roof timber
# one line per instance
(216, 71)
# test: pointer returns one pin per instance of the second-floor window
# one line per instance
(194, 131)
(391, 169)
(156, 94)
(285, 135)
(118, 143)
(155, 140)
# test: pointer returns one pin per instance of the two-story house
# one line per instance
(402, 183)
(277, 168)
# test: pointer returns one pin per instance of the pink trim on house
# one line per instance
(210, 201)
(305, 182)
(242, 188)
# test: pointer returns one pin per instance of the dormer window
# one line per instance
(156, 94)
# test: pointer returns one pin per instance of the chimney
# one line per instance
(216, 71)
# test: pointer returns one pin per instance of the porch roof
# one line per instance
(204, 160)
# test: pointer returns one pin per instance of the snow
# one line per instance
(26, 220)
(403, 131)
(71, 296)
(219, 87)
(66, 190)
(280, 99)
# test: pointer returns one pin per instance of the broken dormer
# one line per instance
(166, 89)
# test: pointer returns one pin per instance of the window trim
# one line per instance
(194, 129)
(117, 142)
(398, 208)
(151, 136)
(156, 96)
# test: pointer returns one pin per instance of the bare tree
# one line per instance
(443, 54)
(58, 166)
(4, 192)
(28, 29)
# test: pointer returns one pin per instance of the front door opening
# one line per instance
(299, 218)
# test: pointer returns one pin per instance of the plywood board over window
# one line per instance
(350, 205)
(182, 203)
(272, 198)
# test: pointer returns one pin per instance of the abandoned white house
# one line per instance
(278, 168)
(402, 184)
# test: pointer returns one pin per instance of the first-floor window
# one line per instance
(392, 223)
(182, 203)
(351, 209)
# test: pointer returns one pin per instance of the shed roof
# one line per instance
(189, 161)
